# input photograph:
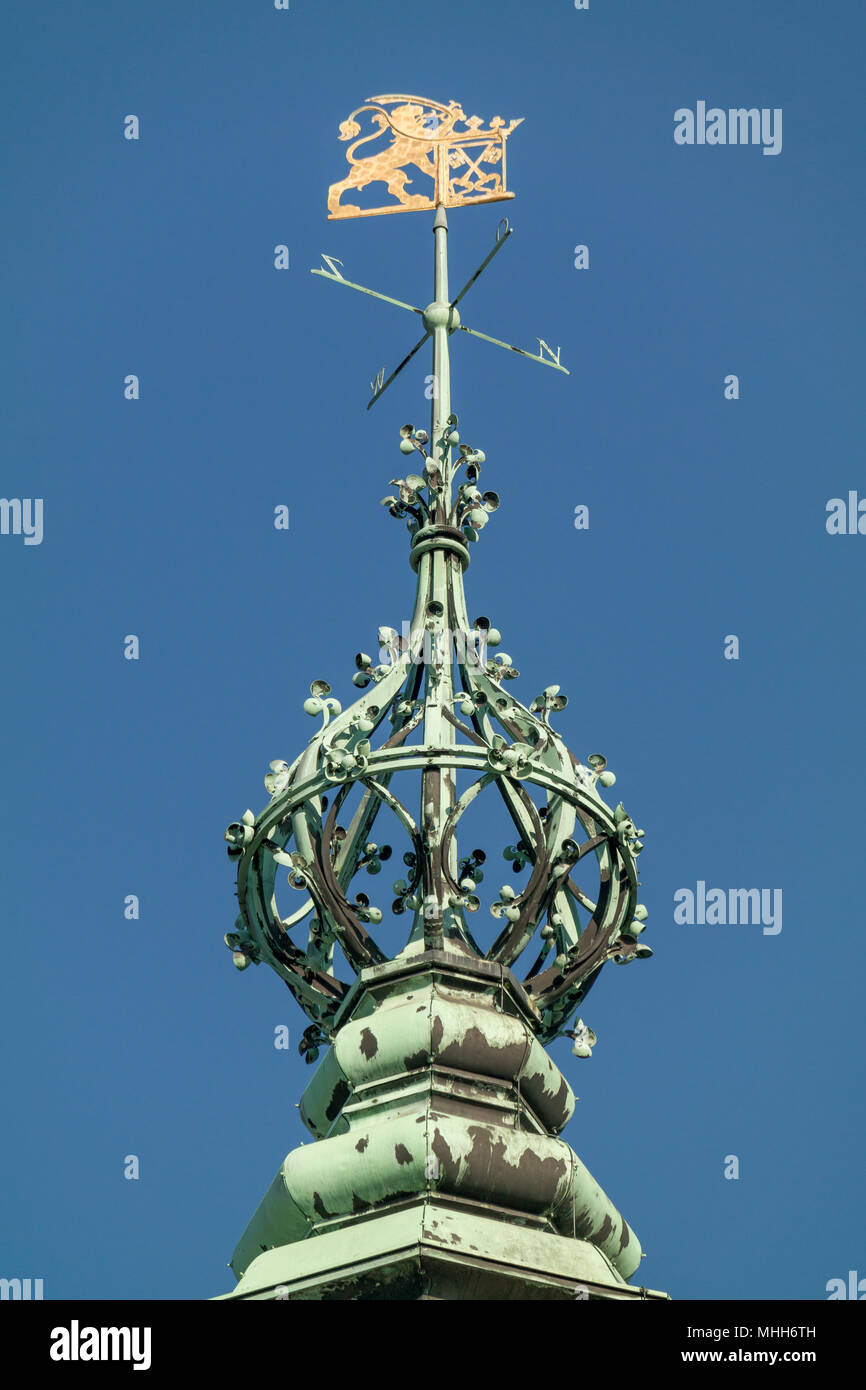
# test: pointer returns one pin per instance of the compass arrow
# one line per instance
(551, 361)
(341, 280)
(397, 370)
(501, 238)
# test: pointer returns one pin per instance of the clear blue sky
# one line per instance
(707, 518)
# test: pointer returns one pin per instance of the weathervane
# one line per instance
(436, 1108)
(422, 129)
(465, 162)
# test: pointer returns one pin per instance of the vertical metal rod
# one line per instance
(441, 405)
(438, 785)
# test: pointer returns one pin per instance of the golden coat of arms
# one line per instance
(464, 161)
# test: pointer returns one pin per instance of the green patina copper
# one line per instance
(435, 1108)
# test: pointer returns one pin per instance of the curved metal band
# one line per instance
(439, 538)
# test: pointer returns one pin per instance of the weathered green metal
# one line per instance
(444, 1110)
(424, 1252)
(438, 1099)
(435, 1094)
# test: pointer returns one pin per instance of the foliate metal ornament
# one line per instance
(461, 158)
(505, 747)
(584, 1039)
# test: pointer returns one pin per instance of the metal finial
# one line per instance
(435, 1057)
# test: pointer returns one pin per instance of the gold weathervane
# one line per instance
(465, 161)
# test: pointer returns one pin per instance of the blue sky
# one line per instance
(707, 518)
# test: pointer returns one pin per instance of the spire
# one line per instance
(434, 733)
(445, 667)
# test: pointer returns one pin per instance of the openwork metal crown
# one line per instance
(552, 798)
(437, 716)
